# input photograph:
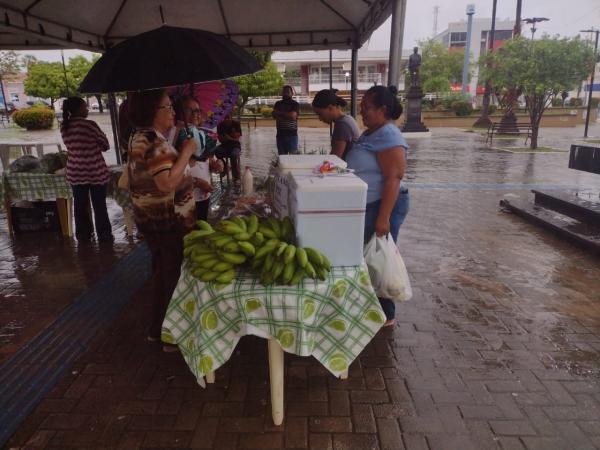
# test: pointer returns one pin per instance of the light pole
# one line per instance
(591, 87)
(465, 73)
(484, 120)
(533, 21)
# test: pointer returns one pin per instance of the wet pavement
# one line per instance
(499, 348)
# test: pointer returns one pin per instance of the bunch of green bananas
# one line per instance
(266, 246)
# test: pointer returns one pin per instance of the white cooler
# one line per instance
(329, 215)
(301, 164)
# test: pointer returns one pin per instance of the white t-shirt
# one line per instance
(200, 170)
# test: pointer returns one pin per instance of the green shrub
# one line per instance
(575, 102)
(266, 111)
(557, 102)
(595, 101)
(492, 109)
(34, 118)
(461, 107)
(452, 97)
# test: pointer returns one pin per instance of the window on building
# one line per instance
(458, 37)
(502, 35)
(14, 98)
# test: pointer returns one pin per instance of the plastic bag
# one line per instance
(386, 269)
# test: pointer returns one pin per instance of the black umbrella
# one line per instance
(167, 56)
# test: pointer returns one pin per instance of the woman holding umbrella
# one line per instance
(161, 193)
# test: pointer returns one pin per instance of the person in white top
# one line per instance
(203, 162)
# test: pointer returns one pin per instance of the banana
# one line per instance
(247, 248)
(258, 238)
(288, 272)
(203, 257)
(223, 241)
(290, 252)
(231, 228)
(198, 272)
(314, 256)
(196, 234)
(287, 229)
(226, 277)
(269, 261)
(244, 236)
(239, 222)
(275, 226)
(256, 263)
(216, 235)
(208, 263)
(301, 257)
(326, 263)
(310, 270)
(233, 258)
(298, 276)
(232, 247)
(187, 251)
(204, 225)
(252, 224)
(277, 269)
(209, 276)
(281, 249)
(267, 247)
(322, 273)
(267, 232)
(222, 267)
(201, 248)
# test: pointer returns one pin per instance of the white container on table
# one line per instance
(301, 164)
(329, 215)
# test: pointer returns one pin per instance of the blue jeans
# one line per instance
(287, 144)
(396, 219)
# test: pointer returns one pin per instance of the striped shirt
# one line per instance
(287, 127)
(85, 143)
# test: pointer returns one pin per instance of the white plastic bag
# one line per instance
(386, 269)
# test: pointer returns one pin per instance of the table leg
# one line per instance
(276, 378)
(210, 377)
(129, 222)
(39, 149)
(65, 215)
(9, 219)
(344, 375)
(5, 155)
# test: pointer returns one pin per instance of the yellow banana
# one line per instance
(290, 252)
(233, 258)
(281, 249)
(226, 277)
(223, 241)
(247, 248)
(267, 232)
(314, 256)
(222, 266)
(204, 225)
(301, 257)
(209, 276)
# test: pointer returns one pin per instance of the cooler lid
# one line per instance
(299, 162)
(329, 183)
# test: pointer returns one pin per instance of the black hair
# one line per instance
(70, 109)
(328, 97)
(386, 96)
(143, 106)
(179, 110)
(227, 126)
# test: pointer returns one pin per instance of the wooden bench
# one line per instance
(518, 129)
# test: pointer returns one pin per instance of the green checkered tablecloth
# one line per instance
(332, 320)
(34, 186)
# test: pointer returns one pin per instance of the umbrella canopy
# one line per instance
(216, 99)
(167, 56)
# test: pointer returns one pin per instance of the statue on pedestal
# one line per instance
(414, 96)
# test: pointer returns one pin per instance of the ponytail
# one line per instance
(70, 109)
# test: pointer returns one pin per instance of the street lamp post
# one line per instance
(484, 120)
(591, 86)
(533, 21)
(465, 73)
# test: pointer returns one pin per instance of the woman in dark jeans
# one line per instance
(86, 169)
(379, 158)
(162, 196)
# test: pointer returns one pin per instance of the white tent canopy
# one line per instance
(254, 24)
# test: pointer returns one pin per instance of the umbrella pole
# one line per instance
(114, 121)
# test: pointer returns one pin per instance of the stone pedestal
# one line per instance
(413, 111)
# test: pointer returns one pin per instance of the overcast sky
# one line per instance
(567, 17)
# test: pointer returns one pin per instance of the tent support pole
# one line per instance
(114, 122)
(396, 37)
(353, 79)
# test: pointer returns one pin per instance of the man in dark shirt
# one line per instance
(285, 112)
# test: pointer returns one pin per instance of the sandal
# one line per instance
(389, 323)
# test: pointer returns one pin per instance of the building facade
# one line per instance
(308, 71)
(455, 37)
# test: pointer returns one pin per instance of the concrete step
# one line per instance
(585, 235)
(569, 204)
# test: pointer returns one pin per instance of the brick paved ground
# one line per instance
(499, 349)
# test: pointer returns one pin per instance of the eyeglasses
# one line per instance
(166, 107)
(194, 111)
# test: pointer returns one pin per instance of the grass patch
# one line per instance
(530, 150)
(592, 141)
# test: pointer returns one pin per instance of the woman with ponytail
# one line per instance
(379, 158)
(329, 107)
(86, 169)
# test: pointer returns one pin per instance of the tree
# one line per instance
(79, 66)
(539, 69)
(47, 80)
(28, 60)
(266, 82)
(9, 63)
(440, 66)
